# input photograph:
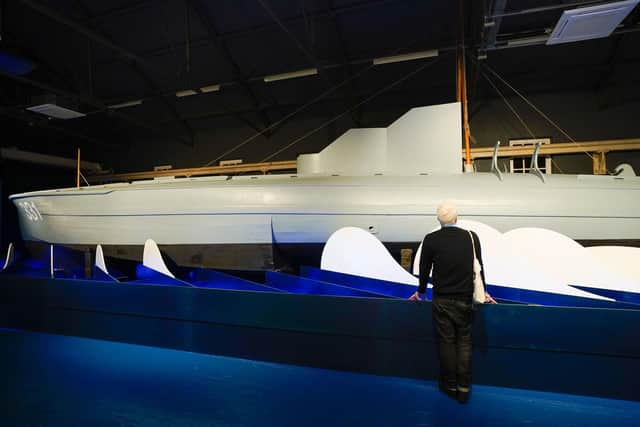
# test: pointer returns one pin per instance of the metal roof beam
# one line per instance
(134, 60)
(494, 26)
(356, 115)
(310, 56)
(96, 103)
(222, 47)
(544, 8)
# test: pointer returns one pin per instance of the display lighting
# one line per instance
(528, 41)
(183, 93)
(210, 88)
(406, 57)
(125, 104)
(291, 75)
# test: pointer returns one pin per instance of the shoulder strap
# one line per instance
(473, 245)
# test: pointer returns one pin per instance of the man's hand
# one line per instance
(488, 299)
(415, 297)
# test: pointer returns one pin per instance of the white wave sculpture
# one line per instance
(533, 259)
(352, 250)
(152, 258)
(542, 260)
(100, 260)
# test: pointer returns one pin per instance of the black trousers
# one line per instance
(453, 320)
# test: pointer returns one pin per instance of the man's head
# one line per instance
(447, 213)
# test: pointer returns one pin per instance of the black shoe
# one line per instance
(449, 392)
(462, 396)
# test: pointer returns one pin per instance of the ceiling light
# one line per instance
(528, 41)
(210, 88)
(126, 104)
(55, 106)
(292, 75)
(187, 92)
(406, 57)
(56, 111)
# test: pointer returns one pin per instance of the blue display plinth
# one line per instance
(584, 351)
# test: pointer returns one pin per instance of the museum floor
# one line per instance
(53, 380)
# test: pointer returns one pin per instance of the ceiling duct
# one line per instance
(55, 106)
(593, 22)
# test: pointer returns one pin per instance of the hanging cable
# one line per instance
(85, 179)
(518, 116)
(513, 110)
(556, 165)
(384, 89)
(303, 107)
(536, 108)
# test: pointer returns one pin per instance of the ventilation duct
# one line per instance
(593, 22)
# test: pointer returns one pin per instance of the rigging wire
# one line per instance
(85, 179)
(536, 109)
(384, 89)
(293, 113)
(513, 110)
(556, 165)
(287, 117)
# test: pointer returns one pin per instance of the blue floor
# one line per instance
(52, 380)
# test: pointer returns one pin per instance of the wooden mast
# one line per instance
(462, 90)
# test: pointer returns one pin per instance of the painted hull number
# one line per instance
(31, 211)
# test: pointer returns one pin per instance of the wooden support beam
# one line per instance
(605, 146)
(600, 163)
(287, 165)
(599, 148)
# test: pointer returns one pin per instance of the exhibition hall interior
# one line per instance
(320, 212)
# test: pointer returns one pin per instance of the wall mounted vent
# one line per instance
(592, 22)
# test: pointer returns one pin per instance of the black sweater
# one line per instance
(450, 253)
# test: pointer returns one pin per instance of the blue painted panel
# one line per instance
(620, 296)
(550, 299)
(149, 386)
(301, 285)
(29, 268)
(100, 275)
(384, 287)
(577, 350)
(68, 263)
(148, 276)
(205, 278)
(37, 265)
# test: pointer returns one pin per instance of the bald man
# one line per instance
(449, 251)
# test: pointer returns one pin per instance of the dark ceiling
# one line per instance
(97, 54)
